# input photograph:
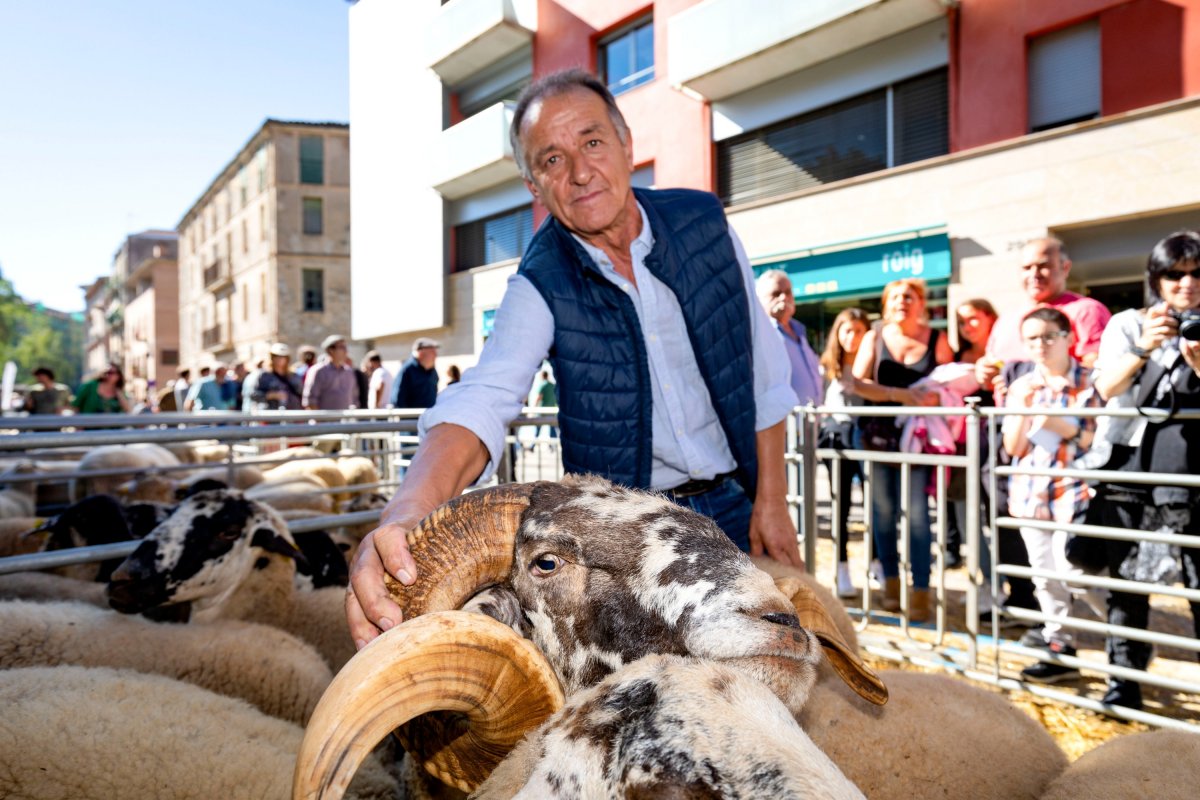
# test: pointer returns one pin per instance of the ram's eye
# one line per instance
(545, 564)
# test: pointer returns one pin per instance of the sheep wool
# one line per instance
(1162, 765)
(73, 733)
(43, 586)
(273, 671)
(937, 737)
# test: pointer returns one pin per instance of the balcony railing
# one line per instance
(466, 37)
(214, 338)
(216, 275)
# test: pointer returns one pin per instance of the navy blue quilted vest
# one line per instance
(599, 356)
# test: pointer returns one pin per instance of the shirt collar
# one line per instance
(639, 247)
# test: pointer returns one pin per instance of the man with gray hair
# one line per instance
(777, 298)
(331, 385)
(416, 386)
(669, 375)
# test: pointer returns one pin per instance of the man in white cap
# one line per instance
(331, 385)
(274, 388)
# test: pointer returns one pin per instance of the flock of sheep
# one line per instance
(568, 639)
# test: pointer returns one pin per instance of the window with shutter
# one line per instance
(898, 124)
(1064, 76)
(501, 237)
(312, 159)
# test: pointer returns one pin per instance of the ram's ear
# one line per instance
(845, 662)
(270, 540)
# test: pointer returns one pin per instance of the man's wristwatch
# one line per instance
(1140, 352)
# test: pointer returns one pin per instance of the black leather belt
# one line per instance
(693, 488)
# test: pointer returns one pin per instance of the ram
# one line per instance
(601, 578)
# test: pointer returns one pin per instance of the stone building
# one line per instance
(147, 267)
(96, 297)
(264, 254)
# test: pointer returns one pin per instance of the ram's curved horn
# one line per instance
(462, 547)
(845, 662)
(443, 661)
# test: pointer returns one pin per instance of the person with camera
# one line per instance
(1150, 358)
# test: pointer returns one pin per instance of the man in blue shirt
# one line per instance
(210, 393)
(646, 297)
(417, 384)
(775, 293)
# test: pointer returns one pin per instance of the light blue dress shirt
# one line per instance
(806, 370)
(688, 442)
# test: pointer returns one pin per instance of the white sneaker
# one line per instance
(845, 586)
(876, 576)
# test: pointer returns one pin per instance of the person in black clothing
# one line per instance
(1146, 360)
(277, 388)
(417, 384)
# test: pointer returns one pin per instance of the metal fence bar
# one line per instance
(26, 441)
(1101, 531)
(1100, 582)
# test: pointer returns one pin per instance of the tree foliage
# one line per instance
(33, 336)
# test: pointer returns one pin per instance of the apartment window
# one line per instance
(1064, 76)
(229, 246)
(626, 58)
(313, 284)
(313, 216)
(245, 302)
(312, 159)
(898, 124)
(263, 291)
(262, 222)
(245, 236)
(497, 238)
(169, 358)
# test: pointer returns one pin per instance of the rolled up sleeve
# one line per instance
(492, 393)
(774, 397)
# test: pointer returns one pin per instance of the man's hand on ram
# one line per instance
(772, 531)
(369, 609)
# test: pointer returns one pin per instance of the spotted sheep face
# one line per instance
(607, 575)
(202, 552)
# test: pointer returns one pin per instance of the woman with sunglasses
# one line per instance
(104, 394)
(1149, 358)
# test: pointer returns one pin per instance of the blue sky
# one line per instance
(116, 114)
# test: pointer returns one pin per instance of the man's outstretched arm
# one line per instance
(447, 462)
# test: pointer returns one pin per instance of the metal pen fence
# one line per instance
(532, 452)
(960, 649)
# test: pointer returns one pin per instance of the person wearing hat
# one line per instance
(308, 357)
(331, 384)
(417, 385)
(273, 389)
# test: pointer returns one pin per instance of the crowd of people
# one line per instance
(1057, 350)
(330, 382)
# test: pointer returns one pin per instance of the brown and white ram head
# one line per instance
(602, 576)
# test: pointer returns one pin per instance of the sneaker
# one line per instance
(845, 586)
(1033, 638)
(1006, 623)
(954, 558)
(876, 574)
(1127, 694)
(1045, 672)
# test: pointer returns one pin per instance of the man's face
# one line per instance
(309, 357)
(219, 374)
(1043, 271)
(580, 168)
(776, 297)
(337, 353)
(427, 357)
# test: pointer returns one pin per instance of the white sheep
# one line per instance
(937, 737)
(133, 458)
(324, 470)
(45, 586)
(1161, 765)
(290, 493)
(231, 558)
(270, 669)
(76, 733)
(358, 470)
(20, 535)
